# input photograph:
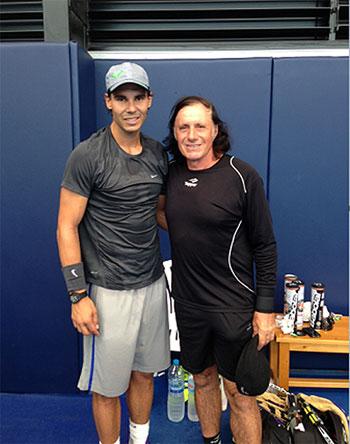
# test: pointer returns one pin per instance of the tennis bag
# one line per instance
(301, 419)
(274, 432)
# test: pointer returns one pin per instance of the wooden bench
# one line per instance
(333, 341)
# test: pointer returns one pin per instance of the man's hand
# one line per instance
(84, 317)
(264, 326)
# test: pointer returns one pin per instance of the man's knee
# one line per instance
(141, 378)
(207, 379)
(104, 400)
(245, 403)
(237, 400)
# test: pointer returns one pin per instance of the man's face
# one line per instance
(195, 132)
(129, 105)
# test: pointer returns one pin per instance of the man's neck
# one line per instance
(202, 164)
(128, 142)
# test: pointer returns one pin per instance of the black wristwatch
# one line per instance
(76, 297)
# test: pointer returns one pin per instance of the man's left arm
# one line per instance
(265, 257)
(161, 218)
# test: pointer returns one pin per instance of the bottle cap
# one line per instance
(176, 362)
(317, 285)
(292, 285)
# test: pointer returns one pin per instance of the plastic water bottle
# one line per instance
(191, 406)
(176, 401)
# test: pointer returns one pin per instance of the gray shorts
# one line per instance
(134, 335)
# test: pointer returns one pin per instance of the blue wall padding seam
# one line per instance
(267, 185)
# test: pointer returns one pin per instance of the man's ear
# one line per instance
(108, 101)
(174, 133)
(150, 101)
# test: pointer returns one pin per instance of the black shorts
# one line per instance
(208, 338)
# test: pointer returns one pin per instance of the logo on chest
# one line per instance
(191, 182)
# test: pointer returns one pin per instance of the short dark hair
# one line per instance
(221, 143)
(114, 93)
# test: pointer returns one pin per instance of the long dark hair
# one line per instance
(221, 143)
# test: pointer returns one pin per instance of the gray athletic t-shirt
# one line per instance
(118, 233)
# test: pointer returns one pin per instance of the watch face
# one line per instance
(74, 298)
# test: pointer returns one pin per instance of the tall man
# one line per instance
(110, 254)
(220, 226)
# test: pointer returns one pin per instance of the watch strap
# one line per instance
(75, 297)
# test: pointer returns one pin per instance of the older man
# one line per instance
(220, 227)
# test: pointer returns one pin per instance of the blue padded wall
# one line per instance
(239, 88)
(39, 346)
(308, 173)
(52, 97)
(83, 93)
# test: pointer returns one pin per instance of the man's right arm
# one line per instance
(71, 211)
(161, 218)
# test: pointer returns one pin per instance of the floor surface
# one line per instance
(57, 419)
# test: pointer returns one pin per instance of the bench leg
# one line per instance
(283, 365)
(274, 361)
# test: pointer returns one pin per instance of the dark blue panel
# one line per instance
(39, 346)
(240, 90)
(83, 93)
(308, 177)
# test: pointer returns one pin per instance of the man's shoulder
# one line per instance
(93, 142)
(241, 167)
(151, 143)
(176, 166)
(153, 151)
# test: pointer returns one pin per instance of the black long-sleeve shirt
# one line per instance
(220, 226)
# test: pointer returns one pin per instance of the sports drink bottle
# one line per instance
(191, 406)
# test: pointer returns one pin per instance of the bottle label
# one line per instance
(176, 390)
